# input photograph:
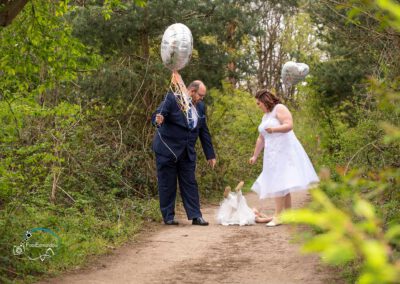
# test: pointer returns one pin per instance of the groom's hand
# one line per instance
(159, 119)
(212, 163)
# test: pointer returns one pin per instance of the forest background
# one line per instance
(80, 79)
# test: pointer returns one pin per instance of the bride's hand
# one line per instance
(252, 160)
(269, 130)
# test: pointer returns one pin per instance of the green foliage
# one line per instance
(233, 118)
(355, 47)
(83, 229)
(135, 34)
(78, 85)
(351, 135)
(387, 12)
(38, 52)
(56, 169)
(91, 199)
(110, 5)
(353, 231)
(356, 213)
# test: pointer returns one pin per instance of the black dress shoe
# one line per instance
(199, 221)
(171, 222)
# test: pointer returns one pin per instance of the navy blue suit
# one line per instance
(174, 145)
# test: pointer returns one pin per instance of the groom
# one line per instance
(174, 146)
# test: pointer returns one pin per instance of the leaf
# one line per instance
(364, 209)
(374, 253)
(393, 233)
(304, 216)
(140, 3)
(209, 40)
(390, 6)
(340, 252)
(353, 13)
(320, 242)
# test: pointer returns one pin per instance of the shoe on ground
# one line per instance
(171, 222)
(274, 222)
(199, 221)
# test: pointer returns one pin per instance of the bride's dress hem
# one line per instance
(257, 189)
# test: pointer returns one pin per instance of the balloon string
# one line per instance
(178, 87)
(159, 134)
(166, 145)
(182, 100)
(181, 95)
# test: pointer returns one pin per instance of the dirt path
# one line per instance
(213, 254)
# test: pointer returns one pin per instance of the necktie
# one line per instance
(190, 118)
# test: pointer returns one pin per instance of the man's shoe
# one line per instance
(171, 222)
(199, 221)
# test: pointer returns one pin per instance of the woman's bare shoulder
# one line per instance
(281, 107)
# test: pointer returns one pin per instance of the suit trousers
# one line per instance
(169, 172)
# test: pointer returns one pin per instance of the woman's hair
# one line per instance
(269, 99)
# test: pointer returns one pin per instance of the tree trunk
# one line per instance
(9, 9)
(231, 48)
(144, 35)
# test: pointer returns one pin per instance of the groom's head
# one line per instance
(197, 91)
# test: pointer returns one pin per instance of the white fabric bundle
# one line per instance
(235, 211)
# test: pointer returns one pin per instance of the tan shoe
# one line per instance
(227, 191)
(274, 222)
(239, 186)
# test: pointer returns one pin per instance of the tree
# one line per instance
(284, 32)
(9, 9)
(357, 46)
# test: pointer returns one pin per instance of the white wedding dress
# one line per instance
(286, 166)
(235, 211)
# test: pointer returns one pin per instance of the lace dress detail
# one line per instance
(286, 166)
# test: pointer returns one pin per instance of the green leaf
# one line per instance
(393, 233)
(374, 253)
(364, 209)
(340, 252)
(353, 13)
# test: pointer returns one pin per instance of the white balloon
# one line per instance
(176, 46)
(293, 72)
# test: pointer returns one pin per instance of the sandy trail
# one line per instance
(213, 254)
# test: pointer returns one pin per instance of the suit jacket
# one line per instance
(175, 132)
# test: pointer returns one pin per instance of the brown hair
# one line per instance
(269, 99)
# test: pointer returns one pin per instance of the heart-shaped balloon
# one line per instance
(176, 46)
(293, 72)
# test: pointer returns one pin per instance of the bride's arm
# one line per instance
(259, 146)
(285, 118)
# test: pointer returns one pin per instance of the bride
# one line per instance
(286, 166)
